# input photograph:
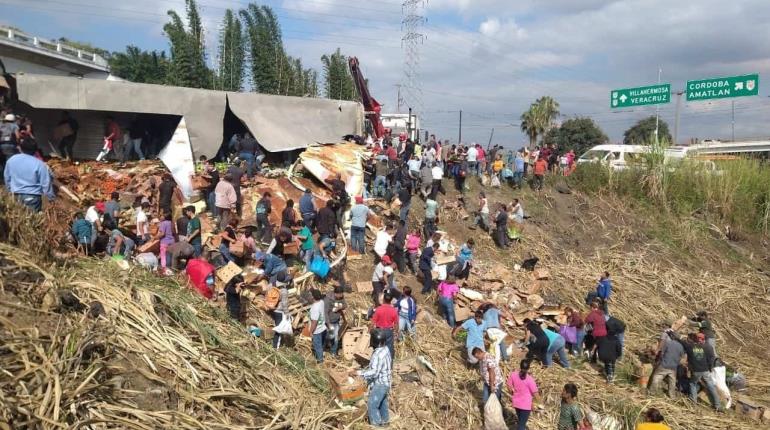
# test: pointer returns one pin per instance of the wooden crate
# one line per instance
(462, 312)
(291, 248)
(364, 287)
(226, 273)
(152, 246)
(346, 388)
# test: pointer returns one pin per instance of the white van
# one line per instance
(619, 157)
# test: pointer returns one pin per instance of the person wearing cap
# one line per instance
(225, 200)
(670, 354)
(700, 362)
(335, 306)
(359, 215)
(385, 319)
(703, 323)
(307, 208)
(273, 265)
(28, 178)
(9, 136)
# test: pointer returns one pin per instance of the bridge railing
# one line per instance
(51, 46)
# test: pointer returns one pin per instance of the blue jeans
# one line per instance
(335, 334)
(448, 308)
(32, 201)
(134, 145)
(557, 347)
(404, 325)
(427, 281)
(485, 392)
(128, 246)
(472, 166)
(522, 417)
(248, 157)
(517, 178)
(197, 248)
(404, 212)
(358, 239)
(377, 406)
(318, 346)
(212, 206)
(225, 251)
(580, 336)
(711, 390)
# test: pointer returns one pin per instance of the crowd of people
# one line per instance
(402, 170)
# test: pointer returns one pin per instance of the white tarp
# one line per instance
(178, 158)
(279, 123)
(286, 123)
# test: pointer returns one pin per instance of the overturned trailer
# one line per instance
(186, 122)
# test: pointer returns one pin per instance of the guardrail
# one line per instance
(52, 46)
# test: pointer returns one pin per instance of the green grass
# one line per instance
(735, 193)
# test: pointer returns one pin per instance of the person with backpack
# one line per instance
(617, 328)
(407, 314)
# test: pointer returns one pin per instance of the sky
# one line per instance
(488, 58)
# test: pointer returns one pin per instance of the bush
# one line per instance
(731, 192)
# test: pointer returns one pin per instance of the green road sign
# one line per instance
(640, 96)
(721, 88)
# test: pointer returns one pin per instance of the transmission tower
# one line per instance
(411, 41)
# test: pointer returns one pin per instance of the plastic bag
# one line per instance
(320, 266)
(568, 333)
(495, 182)
(493, 414)
(284, 327)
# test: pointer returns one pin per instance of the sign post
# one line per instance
(721, 88)
(640, 96)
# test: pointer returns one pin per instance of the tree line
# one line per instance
(539, 123)
(250, 54)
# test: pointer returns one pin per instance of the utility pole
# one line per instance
(676, 119)
(733, 121)
(409, 125)
(398, 102)
(460, 136)
(657, 109)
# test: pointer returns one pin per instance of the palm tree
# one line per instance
(547, 111)
(529, 125)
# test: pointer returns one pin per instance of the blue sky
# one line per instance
(490, 58)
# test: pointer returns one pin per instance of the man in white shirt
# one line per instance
(92, 216)
(472, 158)
(382, 276)
(142, 223)
(382, 241)
(438, 174)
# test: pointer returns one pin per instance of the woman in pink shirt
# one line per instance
(524, 390)
(447, 290)
(412, 248)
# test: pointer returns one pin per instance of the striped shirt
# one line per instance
(379, 368)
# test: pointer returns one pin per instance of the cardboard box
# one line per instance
(291, 248)
(462, 312)
(749, 408)
(445, 259)
(200, 183)
(541, 274)
(152, 246)
(356, 341)
(226, 273)
(364, 287)
(238, 248)
(346, 388)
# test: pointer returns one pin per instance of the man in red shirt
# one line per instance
(541, 165)
(385, 319)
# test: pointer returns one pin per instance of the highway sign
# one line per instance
(640, 96)
(720, 88)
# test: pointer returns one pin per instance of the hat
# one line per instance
(386, 260)
(359, 199)
(701, 337)
(10, 117)
(259, 255)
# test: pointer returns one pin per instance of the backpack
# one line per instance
(615, 326)
(272, 298)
